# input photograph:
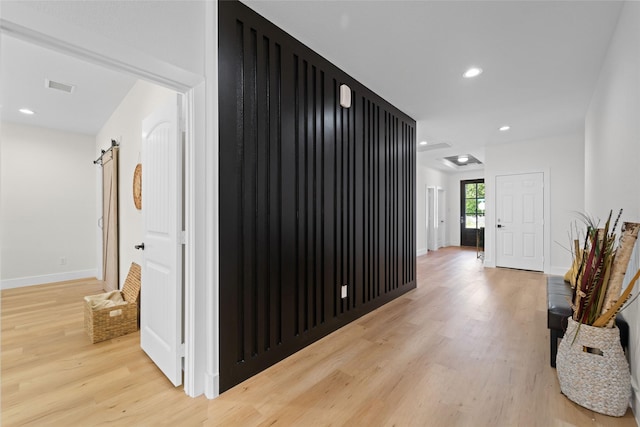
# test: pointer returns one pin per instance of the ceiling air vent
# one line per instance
(58, 86)
(430, 147)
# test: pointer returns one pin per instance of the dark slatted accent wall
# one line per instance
(313, 196)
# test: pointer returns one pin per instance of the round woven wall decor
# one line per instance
(137, 186)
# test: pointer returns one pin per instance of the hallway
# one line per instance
(468, 347)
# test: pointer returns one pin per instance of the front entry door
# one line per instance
(161, 288)
(472, 209)
(520, 221)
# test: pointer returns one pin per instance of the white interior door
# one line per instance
(426, 218)
(161, 289)
(520, 221)
(442, 215)
(432, 220)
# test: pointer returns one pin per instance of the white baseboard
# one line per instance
(557, 271)
(47, 278)
(420, 252)
(212, 385)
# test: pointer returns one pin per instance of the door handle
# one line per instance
(500, 226)
(140, 246)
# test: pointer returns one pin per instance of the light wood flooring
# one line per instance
(469, 347)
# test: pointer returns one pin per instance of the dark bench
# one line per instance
(558, 295)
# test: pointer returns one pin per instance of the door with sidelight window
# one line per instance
(472, 210)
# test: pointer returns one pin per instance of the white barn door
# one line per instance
(520, 221)
(161, 288)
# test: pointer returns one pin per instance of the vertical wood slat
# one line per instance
(250, 190)
(240, 85)
(319, 200)
(344, 213)
(274, 197)
(262, 255)
(330, 283)
(353, 284)
(338, 198)
(289, 193)
(296, 121)
(310, 168)
(303, 198)
(318, 196)
(359, 212)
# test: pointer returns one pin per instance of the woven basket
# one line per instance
(600, 382)
(111, 322)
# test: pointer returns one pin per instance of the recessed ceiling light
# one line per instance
(423, 142)
(463, 159)
(504, 128)
(26, 111)
(472, 72)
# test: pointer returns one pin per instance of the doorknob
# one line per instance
(140, 246)
(500, 225)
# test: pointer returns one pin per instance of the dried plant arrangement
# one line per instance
(591, 365)
(601, 267)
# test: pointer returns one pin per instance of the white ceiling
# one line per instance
(541, 60)
(23, 70)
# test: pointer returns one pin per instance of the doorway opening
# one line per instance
(436, 218)
(139, 98)
(472, 212)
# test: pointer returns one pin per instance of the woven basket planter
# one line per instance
(600, 382)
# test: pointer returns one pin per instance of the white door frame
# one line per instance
(433, 217)
(490, 217)
(201, 368)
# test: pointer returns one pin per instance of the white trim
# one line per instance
(21, 282)
(212, 385)
(19, 22)
(546, 194)
(556, 271)
(189, 267)
(420, 252)
(211, 234)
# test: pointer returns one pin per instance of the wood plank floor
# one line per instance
(469, 347)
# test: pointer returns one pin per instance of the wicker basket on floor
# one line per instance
(592, 369)
(111, 322)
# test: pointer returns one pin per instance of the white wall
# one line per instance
(562, 160)
(612, 151)
(125, 126)
(46, 205)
